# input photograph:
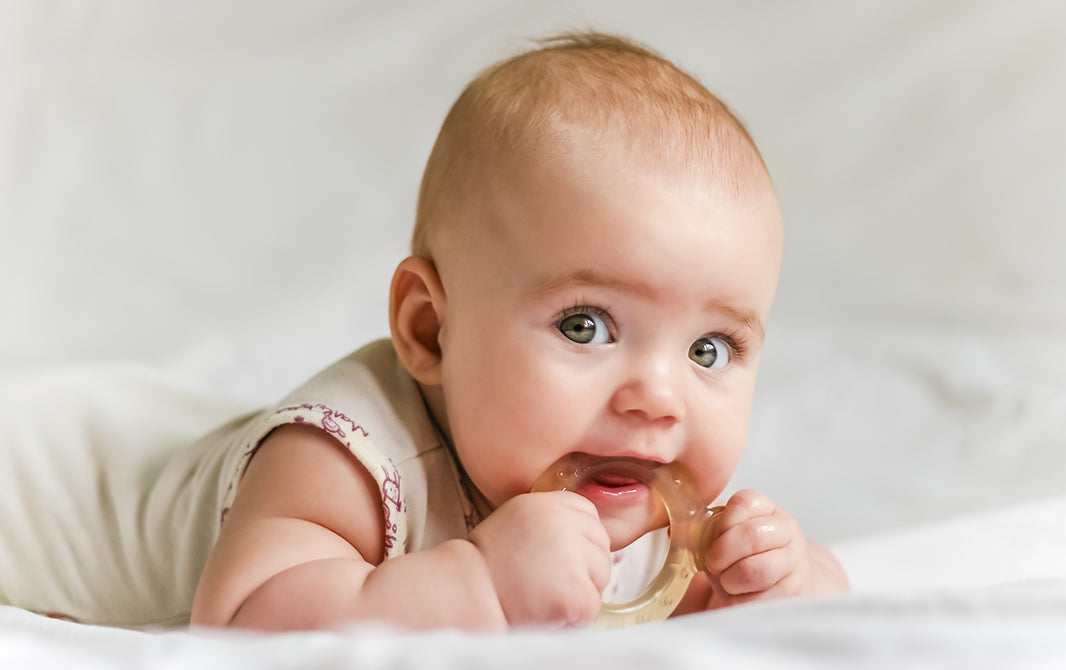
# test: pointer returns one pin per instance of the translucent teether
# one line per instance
(689, 524)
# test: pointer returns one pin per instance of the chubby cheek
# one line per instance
(716, 483)
(509, 420)
(717, 455)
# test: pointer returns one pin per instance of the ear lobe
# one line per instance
(416, 314)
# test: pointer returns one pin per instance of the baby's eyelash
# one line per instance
(602, 313)
(737, 343)
(579, 308)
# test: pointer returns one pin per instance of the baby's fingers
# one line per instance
(595, 546)
(766, 574)
(744, 505)
(750, 524)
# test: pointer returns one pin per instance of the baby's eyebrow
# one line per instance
(586, 277)
(749, 318)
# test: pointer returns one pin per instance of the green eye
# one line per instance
(584, 329)
(709, 352)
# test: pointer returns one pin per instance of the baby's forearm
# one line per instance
(447, 586)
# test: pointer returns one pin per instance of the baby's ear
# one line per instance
(416, 311)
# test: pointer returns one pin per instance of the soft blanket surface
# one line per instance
(1019, 627)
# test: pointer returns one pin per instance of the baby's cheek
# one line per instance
(713, 479)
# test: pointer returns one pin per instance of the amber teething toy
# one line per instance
(690, 521)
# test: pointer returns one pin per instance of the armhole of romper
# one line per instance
(352, 437)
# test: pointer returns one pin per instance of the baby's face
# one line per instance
(608, 311)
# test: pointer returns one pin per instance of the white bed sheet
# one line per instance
(219, 191)
(1019, 626)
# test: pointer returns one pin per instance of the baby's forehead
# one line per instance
(616, 229)
(711, 149)
(601, 154)
(586, 177)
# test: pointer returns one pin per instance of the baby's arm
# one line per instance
(303, 547)
(300, 545)
(760, 552)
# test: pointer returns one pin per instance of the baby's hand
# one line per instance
(759, 552)
(548, 556)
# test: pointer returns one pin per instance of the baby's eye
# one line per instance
(584, 329)
(710, 352)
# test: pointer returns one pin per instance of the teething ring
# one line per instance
(688, 516)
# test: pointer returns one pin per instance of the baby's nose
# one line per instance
(650, 391)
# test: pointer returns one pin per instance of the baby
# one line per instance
(595, 254)
(596, 250)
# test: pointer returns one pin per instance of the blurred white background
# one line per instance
(221, 190)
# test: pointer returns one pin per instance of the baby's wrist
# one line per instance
(481, 588)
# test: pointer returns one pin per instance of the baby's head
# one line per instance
(596, 250)
(579, 99)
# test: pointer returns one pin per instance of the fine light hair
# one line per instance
(607, 88)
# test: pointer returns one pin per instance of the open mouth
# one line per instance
(612, 485)
(620, 487)
(614, 480)
(600, 479)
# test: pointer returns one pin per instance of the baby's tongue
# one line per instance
(614, 480)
